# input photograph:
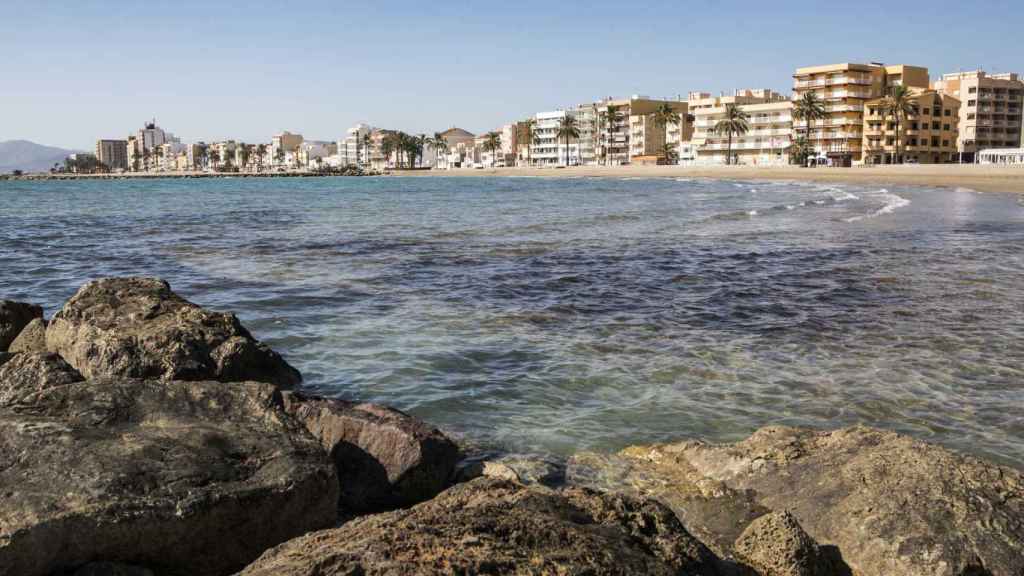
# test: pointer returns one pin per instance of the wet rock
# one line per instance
(889, 504)
(29, 373)
(518, 468)
(139, 328)
(32, 337)
(14, 316)
(490, 526)
(386, 459)
(180, 477)
(776, 545)
(110, 569)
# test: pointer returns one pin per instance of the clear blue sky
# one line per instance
(72, 72)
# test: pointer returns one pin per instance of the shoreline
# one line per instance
(981, 178)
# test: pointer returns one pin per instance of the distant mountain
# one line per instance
(29, 156)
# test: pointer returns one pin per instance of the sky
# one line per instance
(73, 72)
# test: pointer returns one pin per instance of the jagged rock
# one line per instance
(519, 468)
(490, 526)
(386, 459)
(14, 316)
(139, 328)
(5, 356)
(776, 545)
(180, 477)
(29, 373)
(889, 504)
(32, 338)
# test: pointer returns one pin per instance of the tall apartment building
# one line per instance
(350, 148)
(844, 89)
(112, 153)
(637, 137)
(285, 145)
(548, 149)
(927, 137)
(990, 114)
(770, 121)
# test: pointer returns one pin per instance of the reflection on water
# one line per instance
(552, 315)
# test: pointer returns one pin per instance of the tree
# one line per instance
(567, 129)
(214, 155)
(899, 104)
(809, 108)
(440, 147)
(244, 151)
(734, 122)
(367, 147)
(261, 151)
(279, 156)
(387, 147)
(800, 150)
(145, 158)
(493, 144)
(612, 116)
(530, 126)
(668, 152)
(665, 116)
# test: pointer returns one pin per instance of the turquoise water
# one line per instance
(550, 315)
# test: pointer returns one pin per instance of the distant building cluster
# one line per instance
(838, 114)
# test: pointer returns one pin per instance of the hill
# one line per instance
(29, 156)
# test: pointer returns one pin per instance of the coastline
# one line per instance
(981, 178)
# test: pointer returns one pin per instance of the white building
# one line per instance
(351, 150)
(1004, 156)
(766, 142)
(548, 149)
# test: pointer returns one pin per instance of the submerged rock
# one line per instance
(27, 374)
(490, 526)
(776, 545)
(139, 328)
(386, 459)
(32, 337)
(889, 503)
(179, 477)
(14, 316)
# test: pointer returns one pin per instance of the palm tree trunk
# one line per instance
(728, 151)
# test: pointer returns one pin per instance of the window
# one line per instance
(972, 103)
(945, 126)
(925, 111)
(947, 112)
(913, 125)
(913, 141)
(935, 125)
(970, 116)
(935, 142)
(945, 143)
(972, 90)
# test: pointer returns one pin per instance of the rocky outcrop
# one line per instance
(32, 337)
(490, 526)
(179, 477)
(776, 545)
(889, 504)
(14, 316)
(139, 328)
(386, 459)
(110, 569)
(28, 374)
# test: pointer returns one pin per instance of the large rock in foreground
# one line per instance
(26, 375)
(490, 526)
(139, 328)
(891, 504)
(386, 459)
(14, 316)
(32, 337)
(180, 477)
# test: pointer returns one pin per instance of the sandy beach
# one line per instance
(975, 177)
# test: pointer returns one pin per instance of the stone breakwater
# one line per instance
(141, 434)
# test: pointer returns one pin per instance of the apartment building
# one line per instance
(460, 149)
(770, 134)
(350, 148)
(990, 111)
(927, 137)
(285, 146)
(112, 153)
(549, 149)
(637, 136)
(844, 89)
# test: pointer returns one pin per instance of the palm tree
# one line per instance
(528, 132)
(145, 158)
(668, 151)
(493, 144)
(664, 116)
(214, 155)
(367, 141)
(809, 108)
(244, 152)
(799, 150)
(567, 129)
(899, 104)
(612, 117)
(279, 156)
(440, 147)
(261, 151)
(735, 122)
(387, 147)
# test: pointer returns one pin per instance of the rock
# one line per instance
(519, 468)
(14, 316)
(180, 477)
(110, 569)
(139, 328)
(29, 373)
(776, 545)
(5, 356)
(386, 459)
(490, 526)
(890, 504)
(32, 337)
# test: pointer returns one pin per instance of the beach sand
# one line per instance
(975, 177)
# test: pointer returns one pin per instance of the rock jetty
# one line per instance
(143, 435)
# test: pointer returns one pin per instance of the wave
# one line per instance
(891, 203)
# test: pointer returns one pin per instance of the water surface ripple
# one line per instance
(550, 315)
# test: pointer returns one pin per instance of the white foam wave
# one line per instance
(752, 213)
(891, 203)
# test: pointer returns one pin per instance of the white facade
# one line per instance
(1003, 156)
(770, 134)
(547, 149)
(350, 148)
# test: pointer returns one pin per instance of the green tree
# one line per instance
(245, 152)
(808, 109)
(440, 145)
(612, 116)
(279, 156)
(493, 145)
(530, 126)
(899, 104)
(261, 152)
(367, 148)
(387, 147)
(214, 155)
(568, 128)
(668, 152)
(664, 117)
(800, 150)
(734, 123)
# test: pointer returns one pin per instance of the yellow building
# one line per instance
(844, 89)
(637, 137)
(990, 115)
(770, 121)
(927, 137)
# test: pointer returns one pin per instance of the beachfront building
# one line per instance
(1003, 156)
(167, 156)
(314, 154)
(990, 111)
(460, 149)
(284, 148)
(844, 89)
(547, 148)
(927, 137)
(113, 154)
(637, 137)
(766, 142)
(351, 149)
